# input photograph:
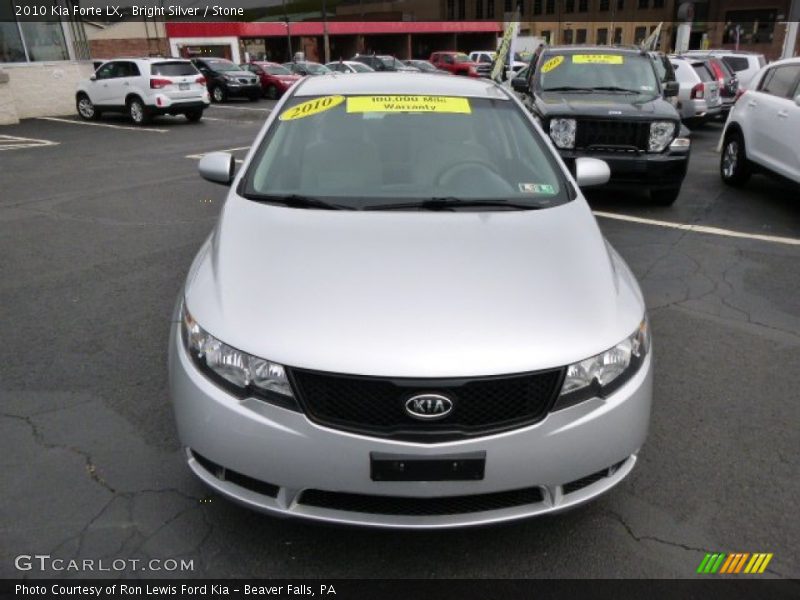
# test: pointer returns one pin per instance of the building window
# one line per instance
(618, 35)
(537, 7)
(521, 6)
(478, 9)
(580, 36)
(583, 5)
(639, 34)
(570, 6)
(550, 7)
(509, 6)
(602, 36)
(490, 9)
(644, 3)
(753, 26)
(604, 5)
(462, 9)
(451, 9)
(568, 36)
(620, 4)
(658, 3)
(545, 35)
(30, 41)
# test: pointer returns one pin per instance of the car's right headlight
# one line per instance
(606, 372)
(238, 371)
(562, 132)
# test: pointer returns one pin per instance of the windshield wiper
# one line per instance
(451, 203)
(297, 201)
(567, 88)
(613, 88)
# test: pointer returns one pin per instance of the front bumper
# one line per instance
(237, 89)
(639, 169)
(274, 460)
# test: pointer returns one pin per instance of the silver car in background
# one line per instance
(407, 316)
(699, 95)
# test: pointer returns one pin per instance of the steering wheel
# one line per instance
(452, 170)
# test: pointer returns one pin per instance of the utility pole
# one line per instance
(790, 39)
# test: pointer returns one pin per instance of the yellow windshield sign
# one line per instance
(597, 59)
(312, 107)
(389, 104)
(552, 64)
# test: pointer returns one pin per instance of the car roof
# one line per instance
(400, 84)
(633, 51)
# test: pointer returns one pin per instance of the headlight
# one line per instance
(604, 373)
(246, 373)
(661, 134)
(562, 132)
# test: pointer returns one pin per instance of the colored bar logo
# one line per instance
(734, 563)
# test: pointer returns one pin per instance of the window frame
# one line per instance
(769, 75)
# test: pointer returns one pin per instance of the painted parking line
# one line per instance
(700, 229)
(109, 125)
(240, 107)
(12, 142)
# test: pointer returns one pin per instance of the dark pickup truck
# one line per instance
(608, 103)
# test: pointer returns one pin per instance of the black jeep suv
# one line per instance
(225, 79)
(608, 103)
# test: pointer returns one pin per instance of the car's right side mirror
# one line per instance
(519, 84)
(590, 172)
(217, 167)
(797, 99)
(671, 89)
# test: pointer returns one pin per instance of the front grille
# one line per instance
(612, 134)
(401, 505)
(376, 405)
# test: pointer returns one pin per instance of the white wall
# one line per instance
(40, 89)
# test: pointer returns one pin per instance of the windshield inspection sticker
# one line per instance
(537, 188)
(438, 104)
(597, 59)
(312, 107)
(552, 64)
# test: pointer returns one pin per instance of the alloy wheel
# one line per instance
(730, 158)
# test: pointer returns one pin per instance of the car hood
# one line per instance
(604, 105)
(413, 294)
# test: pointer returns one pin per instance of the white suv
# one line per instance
(761, 131)
(744, 64)
(142, 88)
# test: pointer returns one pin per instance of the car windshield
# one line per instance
(360, 67)
(461, 58)
(315, 68)
(364, 152)
(422, 65)
(389, 61)
(223, 65)
(597, 70)
(276, 70)
(173, 69)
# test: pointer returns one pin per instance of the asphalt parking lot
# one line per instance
(99, 223)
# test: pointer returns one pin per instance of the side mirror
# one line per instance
(797, 99)
(218, 167)
(591, 171)
(671, 89)
(519, 84)
(92, 77)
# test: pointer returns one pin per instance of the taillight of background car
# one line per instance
(698, 92)
(157, 84)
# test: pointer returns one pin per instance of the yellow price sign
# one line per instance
(389, 104)
(552, 64)
(312, 107)
(597, 59)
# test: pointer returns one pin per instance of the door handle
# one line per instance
(126, 84)
(783, 114)
(752, 103)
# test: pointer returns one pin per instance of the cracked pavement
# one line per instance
(97, 235)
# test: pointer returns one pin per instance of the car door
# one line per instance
(100, 90)
(776, 121)
(125, 83)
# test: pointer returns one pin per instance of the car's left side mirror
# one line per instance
(217, 167)
(591, 172)
(519, 84)
(671, 89)
(92, 77)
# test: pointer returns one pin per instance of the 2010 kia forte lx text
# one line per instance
(406, 315)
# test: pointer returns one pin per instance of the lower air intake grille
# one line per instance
(400, 505)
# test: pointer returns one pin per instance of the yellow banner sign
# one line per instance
(437, 104)
(552, 64)
(597, 59)
(312, 107)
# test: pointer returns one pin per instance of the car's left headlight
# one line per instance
(562, 132)
(606, 372)
(661, 134)
(238, 371)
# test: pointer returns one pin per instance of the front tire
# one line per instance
(218, 94)
(733, 166)
(272, 92)
(138, 112)
(86, 110)
(194, 115)
(665, 197)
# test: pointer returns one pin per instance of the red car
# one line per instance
(275, 79)
(457, 63)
